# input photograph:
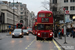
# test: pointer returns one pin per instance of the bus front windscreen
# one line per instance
(45, 27)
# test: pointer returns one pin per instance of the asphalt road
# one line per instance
(27, 43)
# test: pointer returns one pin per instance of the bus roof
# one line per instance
(42, 11)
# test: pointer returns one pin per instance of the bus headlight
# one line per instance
(38, 33)
(50, 34)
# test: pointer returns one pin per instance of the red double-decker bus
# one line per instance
(44, 25)
(35, 27)
(19, 25)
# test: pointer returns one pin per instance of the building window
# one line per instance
(72, 8)
(21, 8)
(72, 0)
(21, 12)
(21, 17)
(54, 1)
(54, 8)
(25, 13)
(65, 0)
(66, 8)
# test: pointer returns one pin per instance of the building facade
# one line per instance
(29, 19)
(7, 17)
(33, 17)
(56, 6)
(22, 11)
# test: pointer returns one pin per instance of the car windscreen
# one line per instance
(17, 30)
(25, 30)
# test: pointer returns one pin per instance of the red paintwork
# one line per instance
(40, 31)
(39, 18)
(40, 21)
(34, 31)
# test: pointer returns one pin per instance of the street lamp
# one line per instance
(64, 27)
(13, 16)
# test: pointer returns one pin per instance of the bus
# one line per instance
(19, 25)
(44, 25)
(34, 28)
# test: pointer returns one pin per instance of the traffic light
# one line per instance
(20, 25)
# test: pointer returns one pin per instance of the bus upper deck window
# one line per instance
(41, 15)
(48, 15)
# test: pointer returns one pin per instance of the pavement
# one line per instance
(27, 43)
(70, 43)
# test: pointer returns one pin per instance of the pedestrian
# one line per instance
(68, 31)
(62, 32)
(73, 32)
(58, 29)
(59, 34)
(55, 33)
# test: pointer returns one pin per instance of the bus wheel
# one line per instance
(51, 38)
(37, 38)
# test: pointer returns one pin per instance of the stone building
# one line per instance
(7, 17)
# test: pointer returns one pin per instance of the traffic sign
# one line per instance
(15, 26)
(9, 26)
(66, 12)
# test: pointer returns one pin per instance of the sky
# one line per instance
(32, 5)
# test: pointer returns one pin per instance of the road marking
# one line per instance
(30, 44)
(57, 45)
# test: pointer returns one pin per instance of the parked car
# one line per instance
(30, 30)
(25, 31)
(17, 33)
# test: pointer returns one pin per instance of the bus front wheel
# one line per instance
(37, 38)
(51, 38)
